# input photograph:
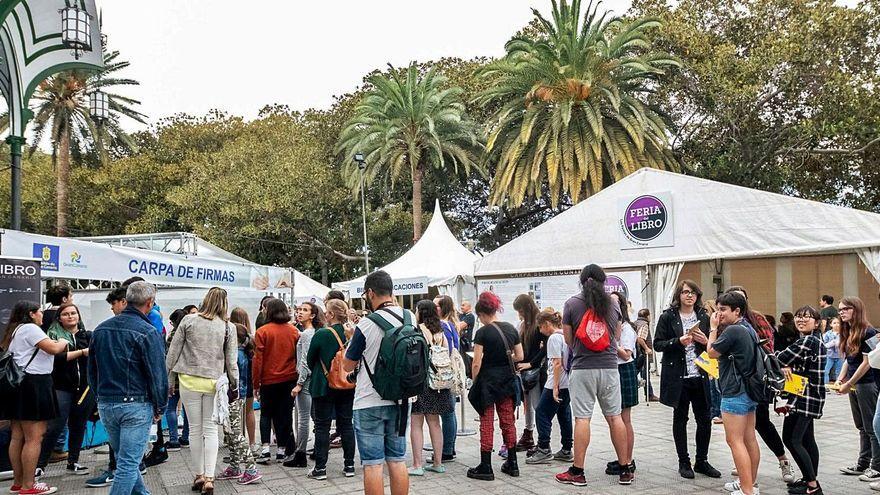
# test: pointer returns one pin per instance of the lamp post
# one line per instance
(362, 166)
(76, 29)
(23, 69)
(99, 105)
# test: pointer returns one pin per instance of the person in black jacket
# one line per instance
(681, 337)
(76, 402)
(535, 350)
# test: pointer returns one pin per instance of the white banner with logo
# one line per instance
(402, 287)
(554, 290)
(646, 221)
(76, 259)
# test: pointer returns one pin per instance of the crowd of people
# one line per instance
(361, 380)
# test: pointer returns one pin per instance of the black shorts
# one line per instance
(34, 400)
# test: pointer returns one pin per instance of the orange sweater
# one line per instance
(275, 354)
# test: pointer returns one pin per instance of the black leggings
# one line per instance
(767, 430)
(799, 437)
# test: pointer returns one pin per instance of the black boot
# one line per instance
(510, 466)
(297, 460)
(484, 470)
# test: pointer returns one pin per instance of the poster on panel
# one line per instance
(19, 281)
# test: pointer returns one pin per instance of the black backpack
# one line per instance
(11, 374)
(767, 380)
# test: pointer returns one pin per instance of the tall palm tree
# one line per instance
(61, 108)
(572, 112)
(408, 123)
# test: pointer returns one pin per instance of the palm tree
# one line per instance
(62, 109)
(571, 106)
(408, 123)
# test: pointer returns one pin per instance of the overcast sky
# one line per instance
(195, 55)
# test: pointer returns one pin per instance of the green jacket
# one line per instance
(322, 350)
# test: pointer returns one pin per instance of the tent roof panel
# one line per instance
(437, 255)
(710, 220)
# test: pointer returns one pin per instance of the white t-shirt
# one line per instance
(22, 348)
(364, 347)
(690, 351)
(557, 349)
(627, 341)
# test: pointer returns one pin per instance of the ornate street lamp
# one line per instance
(99, 105)
(76, 30)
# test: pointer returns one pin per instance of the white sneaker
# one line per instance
(733, 486)
(874, 486)
(870, 475)
(787, 472)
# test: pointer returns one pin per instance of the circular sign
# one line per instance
(616, 284)
(645, 218)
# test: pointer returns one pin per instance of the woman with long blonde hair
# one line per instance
(857, 380)
(204, 348)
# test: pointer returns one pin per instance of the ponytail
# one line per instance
(592, 281)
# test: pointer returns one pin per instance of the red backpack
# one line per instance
(593, 332)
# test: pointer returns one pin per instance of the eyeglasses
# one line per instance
(845, 308)
(687, 292)
(803, 317)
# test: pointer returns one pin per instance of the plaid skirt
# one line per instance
(629, 384)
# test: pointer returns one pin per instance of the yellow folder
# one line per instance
(707, 364)
(797, 385)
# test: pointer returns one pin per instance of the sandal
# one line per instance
(198, 483)
(208, 487)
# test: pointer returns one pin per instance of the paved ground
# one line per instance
(655, 455)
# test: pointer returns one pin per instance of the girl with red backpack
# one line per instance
(591, 326)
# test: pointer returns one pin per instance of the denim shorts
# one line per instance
(739, 405)
(376, 431)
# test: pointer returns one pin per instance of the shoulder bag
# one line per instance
(517, 379)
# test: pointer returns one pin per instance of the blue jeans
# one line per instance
(832, 369)
(544, 413)
(450, 429)
(377, 435)
(171, 419)
(715, 404)
(128, 429)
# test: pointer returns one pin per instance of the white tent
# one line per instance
(307, 289)
(183, 264)
(436, 260)
(697, 219)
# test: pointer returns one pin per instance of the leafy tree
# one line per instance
(62, 109)
(573, 112)
(408, 124)
(779, 95)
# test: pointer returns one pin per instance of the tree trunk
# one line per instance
(62, 185)
(417, 202)
(325, 279)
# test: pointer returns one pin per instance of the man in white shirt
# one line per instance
(376, 420)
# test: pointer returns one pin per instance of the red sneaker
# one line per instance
(14, 488)
(567, 478)
(39, 489)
